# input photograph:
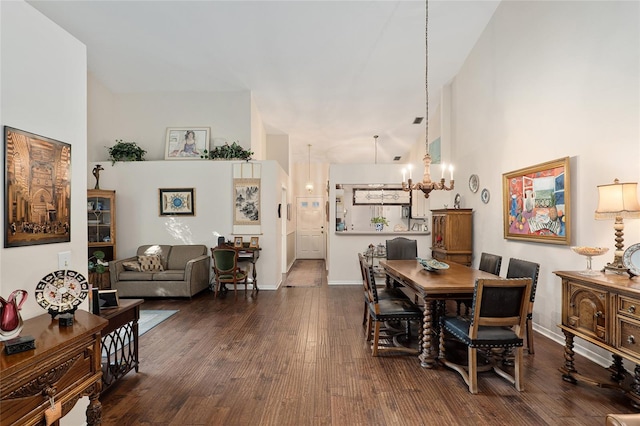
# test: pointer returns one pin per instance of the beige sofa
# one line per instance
(162, 271)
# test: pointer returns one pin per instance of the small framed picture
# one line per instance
(177, 201)
(186, 143)
(108, 299)
(237, 242)
(254, 242)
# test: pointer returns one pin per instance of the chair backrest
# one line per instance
(363, 270)
(401, 248)
(370, 280)
(519, 268)
(224, 260)
(500, 303)
(490, 263)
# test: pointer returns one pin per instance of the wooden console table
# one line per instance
(65, 365)
(250, 255)
(604, 310)
(120, 341)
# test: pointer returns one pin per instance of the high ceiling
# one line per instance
(327, 73)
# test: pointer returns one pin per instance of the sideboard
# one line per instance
(603, 309)
(64, 366)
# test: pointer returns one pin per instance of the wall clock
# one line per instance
(61, 291)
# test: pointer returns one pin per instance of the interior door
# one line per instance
(310, 241)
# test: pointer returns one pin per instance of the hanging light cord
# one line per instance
(426, 76)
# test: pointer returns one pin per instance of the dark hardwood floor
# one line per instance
(298, 356)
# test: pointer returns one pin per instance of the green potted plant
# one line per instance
(379, 222)
(125, 151)
(99, 266)
(227, 152)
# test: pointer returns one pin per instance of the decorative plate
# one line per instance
(474, 183)
(432, 264)
(456, 201)
(61, 291)
(485, 196)
(631, 259)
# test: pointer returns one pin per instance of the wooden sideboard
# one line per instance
(451, 235)
(603, 309)
(64, 365)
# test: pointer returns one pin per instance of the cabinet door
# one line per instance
(587, 311)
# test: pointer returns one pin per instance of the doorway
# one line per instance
(310, 238)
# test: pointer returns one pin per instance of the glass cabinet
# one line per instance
(101, 222)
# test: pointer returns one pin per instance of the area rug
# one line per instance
(152, 317)
(306, 273)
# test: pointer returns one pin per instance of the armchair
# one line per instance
(225, 267)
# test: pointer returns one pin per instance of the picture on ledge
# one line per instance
(108, 299)
(537, 203)
(254, 242)
(177, 201)
(186, 143)
(37, 196)
(237, 242)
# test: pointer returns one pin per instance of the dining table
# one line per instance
(434, 287)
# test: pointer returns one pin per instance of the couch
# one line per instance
(162, 271)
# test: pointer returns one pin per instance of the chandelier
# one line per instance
(426, 186)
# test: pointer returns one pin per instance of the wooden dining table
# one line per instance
(434, 287)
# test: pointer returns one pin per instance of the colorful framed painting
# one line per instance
(177, 202)
(537, 203)
(37, 196)
(186, 143)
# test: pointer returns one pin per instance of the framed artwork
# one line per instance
(237, 242)
(537, 203)
(37, 193)
(254, 242)
(177, 201)
(186, 143)
(108, 299)
(246, 195)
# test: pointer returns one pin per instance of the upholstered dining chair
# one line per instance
(225, 267)
(498, 318)
(519, 268)
(381, 310)
(488, 263)
(383, 292)
(401, 248)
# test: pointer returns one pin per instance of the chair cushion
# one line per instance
(229, 277)
(151, 263)
(398, 309)
(388, 293)
(135, 276)
(181, 254)
(623, 420)
(488, 337)
(132, 265)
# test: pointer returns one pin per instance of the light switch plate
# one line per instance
(64, 260)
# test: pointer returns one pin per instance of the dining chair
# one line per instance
(490, 263)
(382, 310)
(401, 248)
(498, 319)
(225, 267)
(519, 268)
(383, 292)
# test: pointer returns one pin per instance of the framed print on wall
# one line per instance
(177, 201)
(37, 196)
(186, 143)
(537, 203)
(246, 194)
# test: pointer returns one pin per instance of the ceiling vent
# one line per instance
(396, 158)
(418, 120)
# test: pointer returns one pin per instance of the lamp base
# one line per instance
(616, 268)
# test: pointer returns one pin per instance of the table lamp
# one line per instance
(618, 201)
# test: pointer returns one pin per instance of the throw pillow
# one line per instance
(152, 263)
(132, 266)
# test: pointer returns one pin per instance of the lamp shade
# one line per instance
(618, 200)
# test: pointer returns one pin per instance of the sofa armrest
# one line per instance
(197, 270)
(115, 267)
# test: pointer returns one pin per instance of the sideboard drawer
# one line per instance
(629, 307)
(628, 337)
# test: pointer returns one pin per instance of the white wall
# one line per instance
(43, 90)
(144, 117)
(137, 207)
(548, 80)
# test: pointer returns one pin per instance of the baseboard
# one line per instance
(577, 348)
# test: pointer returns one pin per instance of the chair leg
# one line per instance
(366, 313)
(530, 336)
(376, 338)
(518, 369)
(217, 289)
(369, 327)
(473, 370)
